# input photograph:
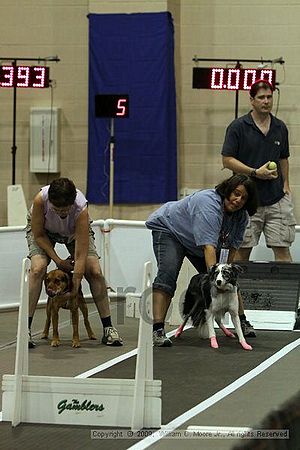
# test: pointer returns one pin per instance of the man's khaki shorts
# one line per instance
(277, 223)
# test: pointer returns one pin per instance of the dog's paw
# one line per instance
(75, 343)
(245, 345)
(214, 342)
(44, 336)
(55, 343)
(230, 334)
(227, 332)
(92, 337)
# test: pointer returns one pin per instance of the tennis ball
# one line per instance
(272, 165)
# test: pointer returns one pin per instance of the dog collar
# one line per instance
(61, 293)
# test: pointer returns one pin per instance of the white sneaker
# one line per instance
(31, 343)
(160, 339)
(111, 337)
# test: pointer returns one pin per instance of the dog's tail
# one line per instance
(197, 318)
(190, 295)
(197, 295)
(191, 307)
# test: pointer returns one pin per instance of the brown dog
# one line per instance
(57, 284)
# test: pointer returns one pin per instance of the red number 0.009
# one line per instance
(24, 76)
(234, 79)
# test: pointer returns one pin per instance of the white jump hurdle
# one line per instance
(132, 403)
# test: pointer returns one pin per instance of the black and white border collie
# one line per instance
(208, 298)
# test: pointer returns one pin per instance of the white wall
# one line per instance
(206, 28)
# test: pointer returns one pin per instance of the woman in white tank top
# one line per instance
(59, 214)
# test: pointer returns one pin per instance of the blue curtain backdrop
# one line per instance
(133, 54)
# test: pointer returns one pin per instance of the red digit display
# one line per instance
(112, 105)
(249, 78)
(121, 107)
(266, 74)
(218, 78)
(233, 79)
(39, 73)
(24, 76)
(7, 76)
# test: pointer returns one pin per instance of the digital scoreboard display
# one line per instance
(24, 76)
(220, 78)
(112, 105)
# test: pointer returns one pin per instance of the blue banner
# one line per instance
(133, 54)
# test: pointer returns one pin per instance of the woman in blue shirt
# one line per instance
(206, 227)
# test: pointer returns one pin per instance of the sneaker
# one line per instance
(111, 337)
(247, 328)
(31, 343)
(160, 339)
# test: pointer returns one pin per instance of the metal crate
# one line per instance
(270, 292)
(270, 285)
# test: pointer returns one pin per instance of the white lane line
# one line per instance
(171, 426)
(107, 364)
(117, 360)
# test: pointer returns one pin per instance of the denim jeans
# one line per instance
(170, 253)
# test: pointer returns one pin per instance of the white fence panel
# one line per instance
(123, 249)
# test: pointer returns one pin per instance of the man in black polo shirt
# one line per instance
(251, 143)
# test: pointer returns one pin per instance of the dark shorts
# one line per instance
(170, 253)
